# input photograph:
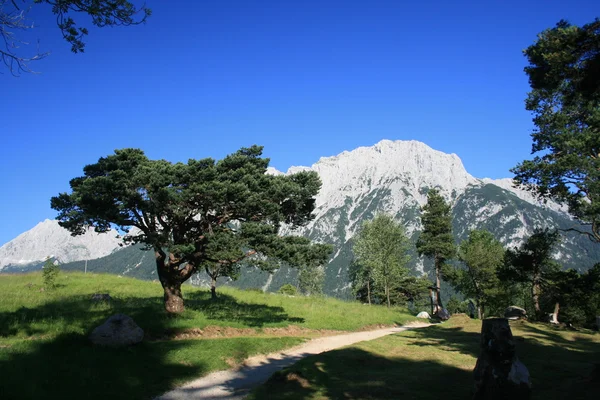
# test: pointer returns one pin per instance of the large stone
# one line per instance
(423, 314)
(118, 330)
(498, 373)
(514, 312)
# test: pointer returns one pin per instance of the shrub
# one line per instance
(288, 289)
(50, 272)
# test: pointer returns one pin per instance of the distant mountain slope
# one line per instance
(48, 239)
(394, 177)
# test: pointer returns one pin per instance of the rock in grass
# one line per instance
(423, 314)
(98, 297)
(514, 312)
(118, 330)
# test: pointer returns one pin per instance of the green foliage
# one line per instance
(205, 214)
(50, 272)
(481, 255)
(532, 264)
(288, 289)
(311, 279)
(455, 306)
(380, 249)
(577, 294)
(564, 74)
(436, 241)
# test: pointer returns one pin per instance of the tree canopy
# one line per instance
(532, 263)
(381, 249)
(564, 74)
(482, 255)
(196, 215)
(13, 18)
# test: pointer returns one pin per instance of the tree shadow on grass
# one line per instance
(353, 373)
(228, 308)
(70, 367)
(45, 351)
(418, 364)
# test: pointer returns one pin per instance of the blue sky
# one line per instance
(305, 79)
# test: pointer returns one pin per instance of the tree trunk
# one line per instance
(173, 297)
(438, 298)
(535, 294)
(555, 313)
(387, 293)
(171, 278)
(479, 313)
(369, 291)
(213, 288)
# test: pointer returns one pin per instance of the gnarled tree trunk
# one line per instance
(173, 297)
(171, 278)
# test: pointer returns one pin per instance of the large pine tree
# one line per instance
(436, 240)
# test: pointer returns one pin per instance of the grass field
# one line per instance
(437, 363)
(45, 353)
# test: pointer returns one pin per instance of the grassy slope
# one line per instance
(44, 351)
(437, 363)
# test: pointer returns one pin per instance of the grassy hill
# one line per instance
(45, 353)
(437, 363)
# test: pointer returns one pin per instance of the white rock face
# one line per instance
(404, 168)
(48, 239)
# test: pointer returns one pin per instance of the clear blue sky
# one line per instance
(305, 79)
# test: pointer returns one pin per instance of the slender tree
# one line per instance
(564, 74)
(482, 255)
(381, 249)
(194, 215)
(532, 263)
(436, 240)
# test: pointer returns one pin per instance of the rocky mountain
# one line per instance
(394, 177)
(47, 239)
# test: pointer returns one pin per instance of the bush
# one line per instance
(50, 272)
(288, 289)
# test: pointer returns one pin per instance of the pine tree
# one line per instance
(436, 240)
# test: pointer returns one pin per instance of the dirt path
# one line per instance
(237, 383)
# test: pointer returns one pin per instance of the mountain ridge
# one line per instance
(394, 177)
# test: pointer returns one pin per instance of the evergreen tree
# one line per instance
(380, 249)
(482, 255)
(436, 240)
(564, 74)
(205, 213)
(532, 264)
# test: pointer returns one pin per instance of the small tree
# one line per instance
(532, 263)
(50, 271)
(482, 255)
(381, 249)
(311, 279)
(361, 281)
(436, 240)
(201, 214)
